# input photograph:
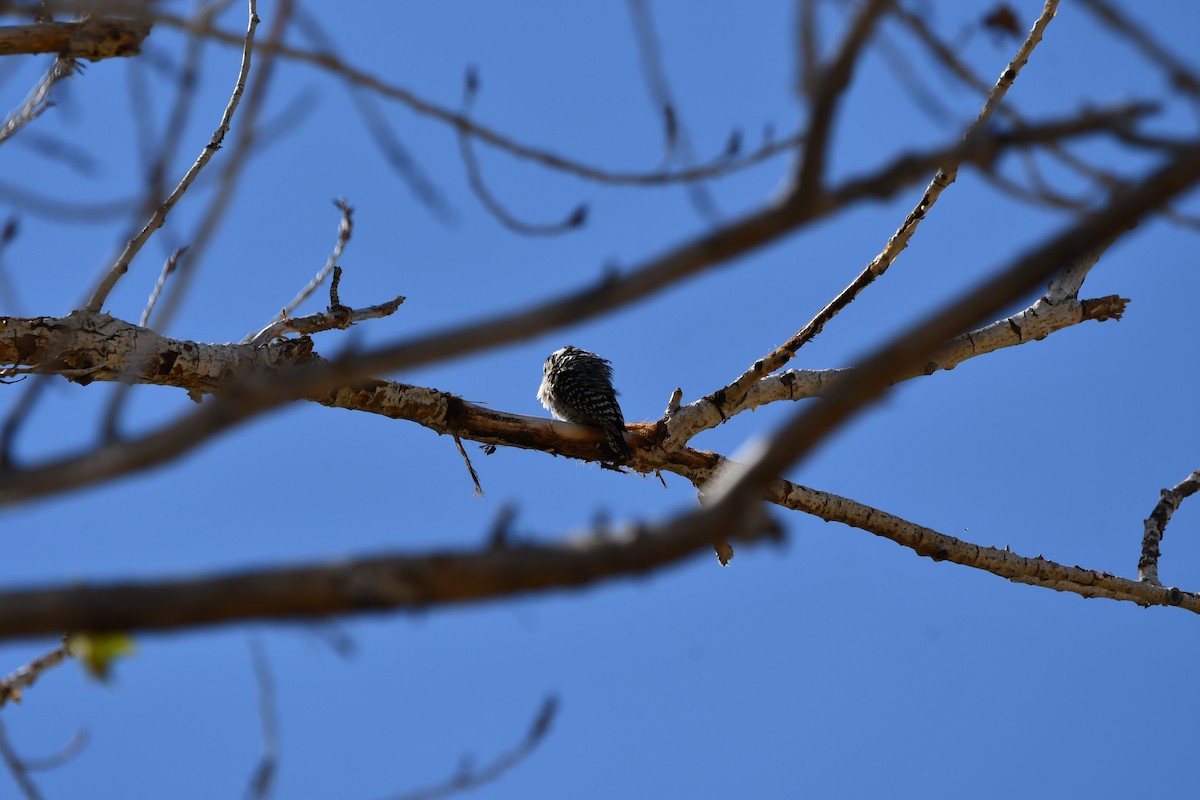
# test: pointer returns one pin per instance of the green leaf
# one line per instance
(98, 651)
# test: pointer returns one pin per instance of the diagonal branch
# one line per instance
(947, 173)
(738, 492)
(38, 99)
(423, 581)
(134, 246)
(1156, 525)
(345, 229)
(24, 677)
(331, 63)
(831, 85)
(1029, 325)
(103, 350)
(701, 468)
(468, 778)
(732, 508)
(259, 392)
(1181, 75)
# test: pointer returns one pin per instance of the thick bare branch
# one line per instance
(93, 39)
(700, 468)
(397, 582)
(737, 492)
(424, 581)
(1029, 325)
(257, 394)
(449, 578)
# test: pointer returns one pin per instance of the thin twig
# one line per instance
(336, 318)
(572, 221)
(423, 188)
(960, 70)
(38, 99)
(257, 392)
(163, 157)
(1180, 75)
(1156, 525)
(168, 268)
(676, 136)
(12, 685)
(17, 767)
(468, 778)
(64, 756)
(344, 231)
(65, 211)
(111, 419)
(233, 168)
(946, 174)
(160, 214)
(263, 779)
(332, 63)
(16, 417)
(831, 85)
(807, 48)
(335, 300)
(470, 468)
(738, 492)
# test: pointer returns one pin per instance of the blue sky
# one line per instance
(836, 665)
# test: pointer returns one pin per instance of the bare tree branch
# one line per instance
(1181, 75)
(491, 204)
(947, 173)
(701, 468)
(468, 778)
(1156, 525)
(233, 168)
(17, 767)
(26, 676)
(263, 780)
(332, 63)
(160, 215)
(258, 392)
(93, 39)
(677, 140)
(421, 582)
(738, 491)
(1029, 325)
(345, 229)
(830, 87)
(38, 99)
(451, 578)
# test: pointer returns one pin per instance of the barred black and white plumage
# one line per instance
(577, 387)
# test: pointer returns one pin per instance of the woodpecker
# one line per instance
(577, 387)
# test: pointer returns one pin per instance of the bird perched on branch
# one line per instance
(577, 387)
